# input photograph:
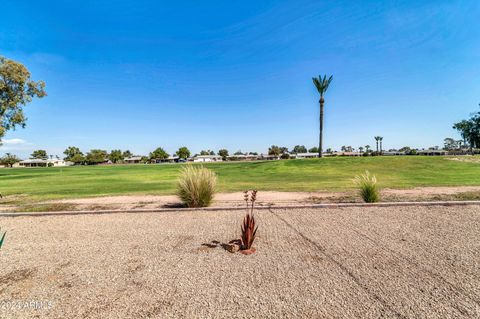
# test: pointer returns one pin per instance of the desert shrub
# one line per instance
(249, 228)
(196, 186)
(367, 185)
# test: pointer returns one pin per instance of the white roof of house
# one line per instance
(133, 158)
(38, 161)
(208, 156)
(244, 155)
(33, 161)
(307, 154)
(267, 155)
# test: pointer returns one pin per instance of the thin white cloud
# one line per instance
(15, 145)
(14, 141)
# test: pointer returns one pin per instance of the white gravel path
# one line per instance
(406, 262)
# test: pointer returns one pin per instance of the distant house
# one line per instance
(170, 159)
(393, 153)
(305, 155)
(242, 157)
(133, 160)
(432, 152)
(173, 159)
(343, 154)
(269, 157)
(207, 158)
(43, 163)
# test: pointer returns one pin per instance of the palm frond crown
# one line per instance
(322, 83)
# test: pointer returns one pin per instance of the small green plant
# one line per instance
(3, 238)
(367, 185)
(249, 229)
(196, 186)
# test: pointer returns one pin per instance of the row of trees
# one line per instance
(282, 150)
(96, 156)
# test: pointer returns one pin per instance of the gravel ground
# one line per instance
(407, 262)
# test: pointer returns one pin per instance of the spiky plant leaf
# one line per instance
(3, 238)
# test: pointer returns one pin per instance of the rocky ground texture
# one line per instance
(356, 262)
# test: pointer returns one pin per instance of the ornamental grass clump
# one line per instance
(249, 228)
(368, 189)
(196, 186)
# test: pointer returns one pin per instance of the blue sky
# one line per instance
(237, 74)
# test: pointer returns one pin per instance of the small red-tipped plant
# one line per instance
(249, 229)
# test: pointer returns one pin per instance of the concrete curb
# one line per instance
(164, 210)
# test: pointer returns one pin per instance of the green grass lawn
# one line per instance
(287, 175)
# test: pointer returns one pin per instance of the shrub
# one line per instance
(367, 185)
(196, 186)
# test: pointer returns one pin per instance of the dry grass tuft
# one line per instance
(196, 186)
(367, 185)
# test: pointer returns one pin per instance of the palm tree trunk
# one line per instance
(320, 142)
(380, 146)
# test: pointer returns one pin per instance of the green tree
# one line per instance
(450, 144)
(223, 153)
(77, 158)
(274, 150)
(313, 150)
(96, 156)
(299, 149)
(203, 152)
(39, 154)
(71, 152)
(127, 154)
(16, 90)
(159, 154)
(405, 149)
(239, 152)
(183, 152)
(322, 85)
(9, 160)
(115, 156)
(470, 131)
(367, 148)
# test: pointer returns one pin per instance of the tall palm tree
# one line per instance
(367, 147)
(381, 139)
(322, 85)
(377, 139)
